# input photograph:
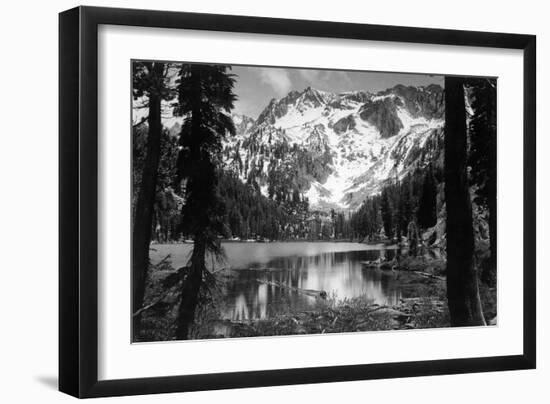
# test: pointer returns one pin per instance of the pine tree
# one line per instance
(427, 209)
(149, 80)
(405, 206)
(387, 214)
(205, 98)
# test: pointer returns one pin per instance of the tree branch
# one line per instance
(142, 121)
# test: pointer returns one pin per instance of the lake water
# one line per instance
(254, 270)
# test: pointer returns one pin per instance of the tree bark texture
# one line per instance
(462, 279)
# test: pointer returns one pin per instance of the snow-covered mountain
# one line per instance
(337, 149)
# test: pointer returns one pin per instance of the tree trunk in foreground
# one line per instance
(491, 274)
(462, 279)
(191, 289)
(143, 221)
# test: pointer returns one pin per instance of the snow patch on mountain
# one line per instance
(335, 149)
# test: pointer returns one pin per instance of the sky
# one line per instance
(256, 86)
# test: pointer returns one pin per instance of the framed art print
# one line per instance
(250, 201)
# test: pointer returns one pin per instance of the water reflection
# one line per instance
(255, 292)
(249, 292)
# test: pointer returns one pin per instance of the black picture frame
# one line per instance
(78, 200)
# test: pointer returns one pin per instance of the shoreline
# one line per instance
(422, 303)
(229, 241)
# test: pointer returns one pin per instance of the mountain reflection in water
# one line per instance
(335, 267)
(252, 293)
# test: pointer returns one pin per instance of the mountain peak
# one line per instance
(313, 97)
(310, 90)
(337, 149)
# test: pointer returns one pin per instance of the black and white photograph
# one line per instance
(270, 201)
(275, 202)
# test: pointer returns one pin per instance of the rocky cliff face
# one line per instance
(337, 149)
(382, 114)
(427, 102)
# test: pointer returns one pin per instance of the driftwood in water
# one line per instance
(383, 265)
(310, 292)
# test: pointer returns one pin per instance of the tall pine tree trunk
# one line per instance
(191, 288)
(143, 221)
(462, 280)
(197, 195)
(490, 272)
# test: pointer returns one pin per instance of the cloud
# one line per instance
(310, 75)
(344, 77)
(325, 78)
(277, 79)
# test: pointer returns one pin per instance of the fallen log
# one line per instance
(428, 275)
(162, 261)
(382, 265)
(310, 292)
(375, 263)
(150, 305)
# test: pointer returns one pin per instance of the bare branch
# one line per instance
(142, 121)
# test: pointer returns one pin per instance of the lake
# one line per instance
(253, 271)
